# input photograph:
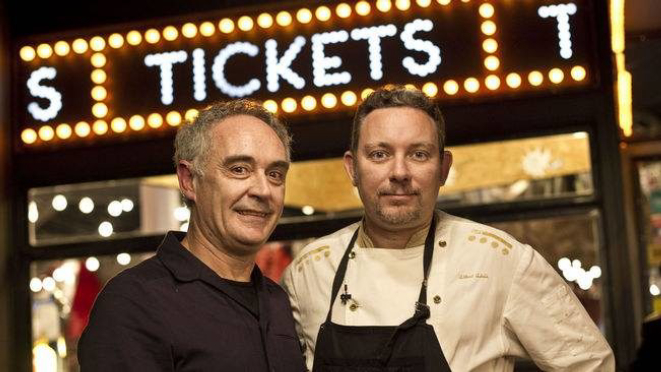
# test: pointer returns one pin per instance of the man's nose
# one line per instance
(400, 171)
(260, 186)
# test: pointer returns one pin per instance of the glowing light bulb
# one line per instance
(170, 33)
(27, 53)
(535, 78)
(383, 5)
(152, 36)
(423, 3)
(189, 30)
(134, 37)
(471, 85)
(118, 125)
(513, 80)
(365, 93)
(99, 76)
(63, 131)
(155, 120)
(82, 129)
(492, 63)
(486, 10)
(46, 133)
(245, 23)
(62, 48)
(100, 110)
(363, 8)
(99, 93)
(265, 20)
(490, 45)
(226, 25)
(137, 123)
(208, 29)
(430, 89)
(284, 19)
(100, 127)
(329, 100)
(98, 60)
(92, 264)
(44, 51)
(578, 73)
(271, 105)
(97, 43)
(348, 98)
(488, 28)
(105, 229)
(304, 15)
(116, 41)
(79, 46)
(323, 13)
(29, 136)
(59, 202)
(308, 103)
(492, 82)
(451, 87)
(403, 4)
(173, 118)
(123, 259)
(191, 115)
(343, 10)
(556, 76)
(444, 2)
(289, 104)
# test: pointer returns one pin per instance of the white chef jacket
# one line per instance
(492, 299)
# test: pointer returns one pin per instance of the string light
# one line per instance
(488, 28)
(49, 93)
(348, 98)
(284, 19)
(27, 53)
(155, 120)
(289, 104)
(165, 62)
(265, 20)
(403, 4)
(329, 100)
(100, 127)
(323, 13)
(152, 36)
(271, 105)
(556, 76)
(99, 93)
(98, 60)
(62, 48)
(97, 43)
(513, 80)
(79, 46)
(486, 10)
(373, 35)
(208, 29)
(134, 37)
(282, 67)
(226, 26)
(365, 93)
(137, 123)
(444, 2)
(383, 5)
(423, 3)
(430, 89)
(99, 76)
(189, 30)
(535, 78)
(100, 110)
(490, 45)
(29, 136)
(46, 133)
(425, 46)
(304, 15)
(199, 75)
(118, 125)
(245, 23)
(321, 63)
(44, 51)
(308, 103)
(492, 63)
(578, 73)
(116, 41)
(191, 115)
(170, 33)
(471, 85)
(343, 10)
(82, 129)
(561, 13)
(218, 70)
(173, 118)
(492, 82)
(363, 8)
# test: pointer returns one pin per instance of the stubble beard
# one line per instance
(401, 217)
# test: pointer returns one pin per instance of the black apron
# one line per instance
(410, 347)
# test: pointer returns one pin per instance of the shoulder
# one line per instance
(475, 234)
(138, 278)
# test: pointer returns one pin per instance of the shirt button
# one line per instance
(442, 243)
(437, 299)
(353, 307)
(352, 254)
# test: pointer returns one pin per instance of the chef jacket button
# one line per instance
(437, 299)
(353, 307)
(442, 244)
(352, 255)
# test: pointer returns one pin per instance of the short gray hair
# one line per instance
(192, 140)
(398, 96)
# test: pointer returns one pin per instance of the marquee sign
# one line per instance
(300, 60)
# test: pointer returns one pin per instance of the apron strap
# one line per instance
(339, 275)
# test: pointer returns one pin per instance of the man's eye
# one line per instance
(240, 170)
(276, 176)
(378, 155)
(420, 155)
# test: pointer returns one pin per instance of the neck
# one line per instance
(218, 258)
(391, 238)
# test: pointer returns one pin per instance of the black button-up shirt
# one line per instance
(173, 313)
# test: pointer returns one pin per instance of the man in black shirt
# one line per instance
(201, 304)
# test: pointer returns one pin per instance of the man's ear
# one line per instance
(185, 176)
(446, 163)
(350, 166)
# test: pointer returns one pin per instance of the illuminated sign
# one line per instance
(301, 61)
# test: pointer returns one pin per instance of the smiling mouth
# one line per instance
(253, 213)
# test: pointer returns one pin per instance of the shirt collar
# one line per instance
(417, 239)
